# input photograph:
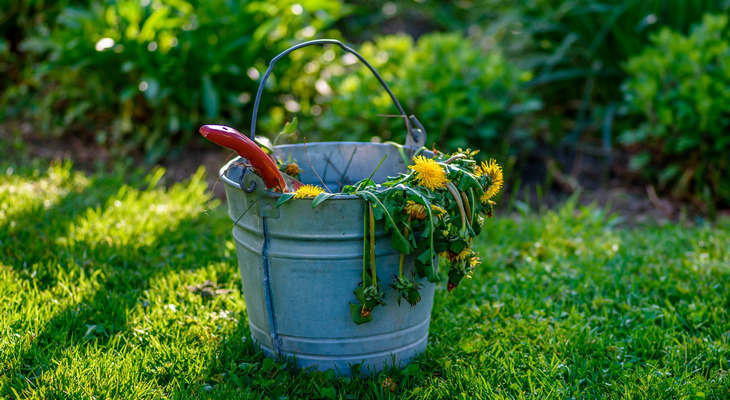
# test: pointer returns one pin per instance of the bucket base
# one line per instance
(369, 363)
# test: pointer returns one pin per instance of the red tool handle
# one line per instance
(263, 164)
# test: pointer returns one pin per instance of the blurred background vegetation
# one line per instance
(560, 91)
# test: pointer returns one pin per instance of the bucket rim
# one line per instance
(339, 196)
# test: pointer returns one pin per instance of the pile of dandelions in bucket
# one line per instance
(437, 208)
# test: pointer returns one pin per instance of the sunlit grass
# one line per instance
(97, 298)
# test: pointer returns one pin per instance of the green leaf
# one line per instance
(321, 198)
(355, 314)
(426, 202)
(407, 290)
(153, 24)
(360, 293)
(401, 151)
(426, 259)
(211, 101)
(365, 183)
(469, 181)
(415, 371)
(457, 246)
(348, 189)
(290, 127)
(455, 277)
(398, 241)
(284, 198)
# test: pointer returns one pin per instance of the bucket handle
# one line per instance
(416, 137)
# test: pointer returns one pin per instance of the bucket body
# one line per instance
(299, 266)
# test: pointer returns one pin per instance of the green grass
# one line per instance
(95, 300)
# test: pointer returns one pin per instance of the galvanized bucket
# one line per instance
(299, 266)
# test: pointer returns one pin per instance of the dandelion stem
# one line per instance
(370, 178)
(365, 243)
(371, 217)
(455, 194)
(467, 206)
(403, 256)
(454, 157)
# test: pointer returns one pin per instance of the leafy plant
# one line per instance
(20, 20)
(144, 75)
(461, 94)
(680, 86)
(435, 209)
(577, 50)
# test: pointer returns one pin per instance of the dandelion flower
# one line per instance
(389, 385)
(291, 169)
(468, 152)
(307, 191)
(461, 256)
(429, 173)
(440, 212)
(415, 210)
(496, 180)
(474, 261)
(464, 254)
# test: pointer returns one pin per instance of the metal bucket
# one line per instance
(300, 266)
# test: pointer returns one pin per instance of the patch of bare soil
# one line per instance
(89, 156)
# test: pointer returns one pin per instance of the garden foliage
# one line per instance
(463, 95)
(681, 87)
(144, 75)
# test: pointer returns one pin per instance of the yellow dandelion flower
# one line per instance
(429, 173)
(464, 254)
(308, 191)
(440, 212)
(496, 180)
(468, 152)
(415, 210)
(461, 256)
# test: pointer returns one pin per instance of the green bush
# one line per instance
(464, 96)
(18, 21)
(681, 87)
(577, 49)
(145, 74)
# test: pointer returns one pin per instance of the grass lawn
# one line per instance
(103, 294)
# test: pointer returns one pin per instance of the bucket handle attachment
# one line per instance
(416, 137)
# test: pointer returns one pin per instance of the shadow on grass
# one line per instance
(101, 285)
